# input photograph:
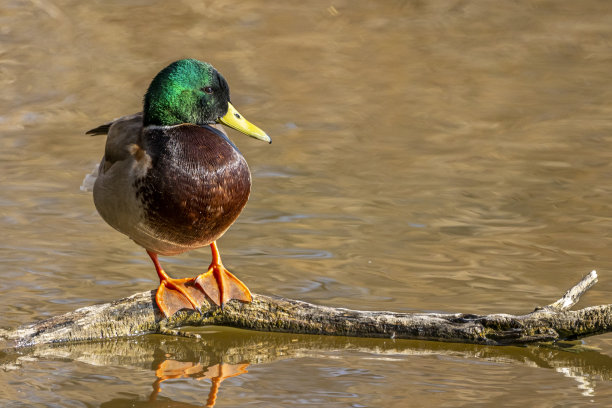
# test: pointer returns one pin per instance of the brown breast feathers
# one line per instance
(197, 185)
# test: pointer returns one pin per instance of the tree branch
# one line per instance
(138, 314)
(572, 296)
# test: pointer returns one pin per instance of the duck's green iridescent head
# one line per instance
(191, 91)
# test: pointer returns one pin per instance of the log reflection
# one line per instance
(223, 353)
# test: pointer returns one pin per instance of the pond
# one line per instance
(440, 156)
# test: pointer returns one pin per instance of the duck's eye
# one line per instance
(208, 89)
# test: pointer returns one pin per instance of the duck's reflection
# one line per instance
(169, 369)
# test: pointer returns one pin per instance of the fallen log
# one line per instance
(138, 314)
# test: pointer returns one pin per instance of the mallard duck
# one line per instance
(172, 180)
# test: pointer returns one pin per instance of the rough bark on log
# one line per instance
(138, 314)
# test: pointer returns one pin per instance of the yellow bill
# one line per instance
(236, 121)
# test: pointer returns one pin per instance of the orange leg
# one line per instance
(219, 284)
(175, 294)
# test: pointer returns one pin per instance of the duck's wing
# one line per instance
(123, 136)
(122, 133)
(103, 129)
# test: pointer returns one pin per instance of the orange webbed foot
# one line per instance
(176, 294)
(219, 284)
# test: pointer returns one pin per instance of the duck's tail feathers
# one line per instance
(103, 129)
(90, 179)
(100, 130)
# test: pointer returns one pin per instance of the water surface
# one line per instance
(427, 156)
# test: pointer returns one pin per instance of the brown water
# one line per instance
(428, 156)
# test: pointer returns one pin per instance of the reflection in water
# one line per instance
(169, 369)
(227, 353)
